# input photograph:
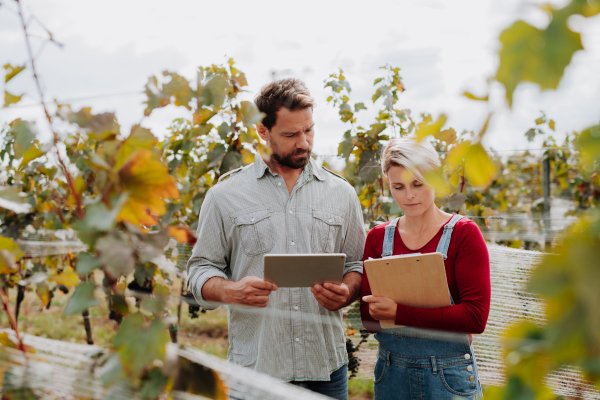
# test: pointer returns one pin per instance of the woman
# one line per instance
(431, 356)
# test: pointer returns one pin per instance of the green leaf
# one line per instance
(10, 253)
(224, 130)
(215, 156)
(530, 54)
(139, 346)
(215, 91)
(11, 99)
(12, 71)
(178, 88)
(530, 134)
(24, 137)
(86, 263)
(98, 218)
(368, 166)
(250, 113)
(98, 126)
(12, 199)
(153, 385)
(232, 160)
(359, 106)
(82, 298)
(589, 145)
(115, 255)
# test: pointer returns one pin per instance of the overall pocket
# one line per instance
(458, 380)
(326, 228)
(256, 230)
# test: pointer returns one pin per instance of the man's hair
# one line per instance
(290, 93)
(419, 157)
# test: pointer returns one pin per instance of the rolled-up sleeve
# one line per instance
(354, 243)
(210, 254)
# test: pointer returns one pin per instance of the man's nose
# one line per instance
(303, 142)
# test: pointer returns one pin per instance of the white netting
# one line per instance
(510, 271)
(61, 370)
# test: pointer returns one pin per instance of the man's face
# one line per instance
(291, 138)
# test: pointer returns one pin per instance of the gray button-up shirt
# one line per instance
(251, 213)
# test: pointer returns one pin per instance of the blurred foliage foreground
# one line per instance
(131, 198)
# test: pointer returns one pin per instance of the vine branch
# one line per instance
(79, 210)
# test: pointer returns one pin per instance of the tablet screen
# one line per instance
(303, 270)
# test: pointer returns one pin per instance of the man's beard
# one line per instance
(290, 160)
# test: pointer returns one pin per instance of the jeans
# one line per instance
(336, 387)
(410, 368)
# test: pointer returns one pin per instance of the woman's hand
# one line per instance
(381, 308)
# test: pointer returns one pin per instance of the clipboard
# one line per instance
(417, 280)
(303, 270)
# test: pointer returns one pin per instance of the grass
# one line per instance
(208, 332)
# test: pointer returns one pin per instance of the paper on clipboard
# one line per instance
(417, 280)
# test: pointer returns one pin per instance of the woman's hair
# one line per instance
(418, 157)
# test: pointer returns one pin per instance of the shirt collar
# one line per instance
(311, 169)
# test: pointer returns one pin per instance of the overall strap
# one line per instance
(388, 240)
(445, 241)
(447, 235)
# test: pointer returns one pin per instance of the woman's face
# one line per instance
(412, 196)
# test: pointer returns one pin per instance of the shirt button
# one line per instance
(330, 220)
(291, 212)
(471, 378)
(297, 339)
(295, 308)
(470, 368)
(293, 244)
(467, 356)
(278, 183)
(252, 219)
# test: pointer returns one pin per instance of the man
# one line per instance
(285, 204)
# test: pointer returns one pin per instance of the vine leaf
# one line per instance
(479, 167)
(148, 183)
(12, 199)
(11, 98)
(428, 127)
(24, 136)
(139, 346)
(82, 298)
(98, 126)
(116, 256)
(139, 139)
(31, 154)
(67, 277)
(534, 55)
(10, 253)
(250, 113)
(12, 71)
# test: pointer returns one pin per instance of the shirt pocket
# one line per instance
(327, 227)
(256, 230)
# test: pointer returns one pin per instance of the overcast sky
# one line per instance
(443, 48)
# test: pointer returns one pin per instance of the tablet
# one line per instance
(303, 270)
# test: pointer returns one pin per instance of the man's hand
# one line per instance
(381, 308)
(332, 296)
(248, 291)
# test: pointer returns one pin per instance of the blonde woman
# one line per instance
(431, 356)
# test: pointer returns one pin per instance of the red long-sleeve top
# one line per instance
(467, 272)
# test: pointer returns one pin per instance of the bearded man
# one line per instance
(286, 204)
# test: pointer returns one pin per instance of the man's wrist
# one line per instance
(216, 289)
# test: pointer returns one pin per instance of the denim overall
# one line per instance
(424, 364)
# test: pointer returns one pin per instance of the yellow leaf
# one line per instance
(43, 293)
(11, 99)
(148, 183)
(351, 332)
(247, 157)
(202, 115)
(439, 182)
(10, 253)
(479, 167)
(426, 128)
(29, 155)
(183, 234)
(139, 139)
(67, 277)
